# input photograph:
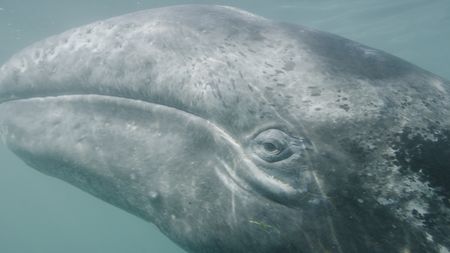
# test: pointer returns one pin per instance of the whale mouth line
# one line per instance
(95, 97)
(14, 98)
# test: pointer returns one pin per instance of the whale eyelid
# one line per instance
(279, 127)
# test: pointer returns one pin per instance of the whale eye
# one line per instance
(272, 145)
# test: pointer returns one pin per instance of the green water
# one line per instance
(39, 214)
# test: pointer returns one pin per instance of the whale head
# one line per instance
(234, 133)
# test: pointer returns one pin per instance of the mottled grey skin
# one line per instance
(235, 134)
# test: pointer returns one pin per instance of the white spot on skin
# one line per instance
(429, 237)
(153, 195)
(438, 85)
(406, 250)
(384, 201)
(131, 126)
(443, 249)
(369, 52)
(407, 195)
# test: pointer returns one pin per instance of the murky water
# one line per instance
(39, 214)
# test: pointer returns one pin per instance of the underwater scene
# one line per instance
(290, 126)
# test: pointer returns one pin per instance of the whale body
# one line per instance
(233, 133)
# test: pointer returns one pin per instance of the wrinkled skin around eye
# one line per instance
(274, 145)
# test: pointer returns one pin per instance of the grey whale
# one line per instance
(233, 133)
